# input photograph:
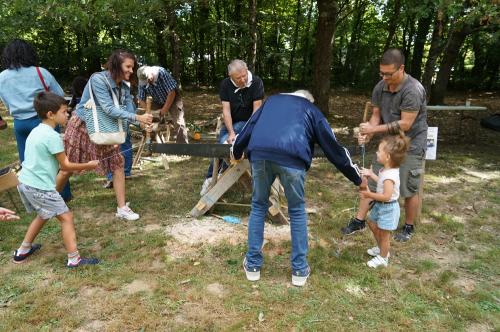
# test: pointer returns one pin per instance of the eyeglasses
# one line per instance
(388, 75)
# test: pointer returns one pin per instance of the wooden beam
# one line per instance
(228, 179)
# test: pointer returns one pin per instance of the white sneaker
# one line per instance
(205, 186)
(376, 251)
(126, 213)
(300, 280)
(378, 261)
(253, 274)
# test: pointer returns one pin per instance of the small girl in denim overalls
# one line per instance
(384, 216)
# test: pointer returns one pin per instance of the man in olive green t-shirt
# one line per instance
(399, 103)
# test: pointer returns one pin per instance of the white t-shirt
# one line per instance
(389, 174)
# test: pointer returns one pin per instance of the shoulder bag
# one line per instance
(103, 129)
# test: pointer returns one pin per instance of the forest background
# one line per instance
(314, 44)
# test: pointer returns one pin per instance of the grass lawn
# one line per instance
(446, 278)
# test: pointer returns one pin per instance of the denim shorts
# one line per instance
(385, 215)
(46, 203)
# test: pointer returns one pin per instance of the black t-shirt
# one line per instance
(241, 102)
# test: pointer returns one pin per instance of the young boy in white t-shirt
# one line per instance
(44, 155)
(384, 216)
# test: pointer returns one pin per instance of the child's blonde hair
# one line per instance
(396, 147)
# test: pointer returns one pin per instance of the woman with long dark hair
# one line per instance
(114, 80)
(20, 82)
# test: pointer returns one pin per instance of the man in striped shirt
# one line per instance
(158, 83)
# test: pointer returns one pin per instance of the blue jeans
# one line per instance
(263, 174)
(22, 128)
(126, 149)
(223, 136)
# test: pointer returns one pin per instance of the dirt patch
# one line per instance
(467, 285)
(95, 325)
(157, 265)
(89, 291)
(479, 327)
(355, 289)
(192, 312)
(152, 228)
(216, 289)
(444, 256)
(137, 286)
(210, 230)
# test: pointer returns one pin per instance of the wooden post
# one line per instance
(149, 101)
(230, 177)
(216, 161)
(365, 113)
(145, 140)
(233, 174)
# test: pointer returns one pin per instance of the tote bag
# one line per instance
(103, 129)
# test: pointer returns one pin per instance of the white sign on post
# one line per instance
(432, 139)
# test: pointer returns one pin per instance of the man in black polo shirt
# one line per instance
(399, 102)
(241, 94)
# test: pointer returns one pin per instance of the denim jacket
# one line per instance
(18, 88)
(103, 97)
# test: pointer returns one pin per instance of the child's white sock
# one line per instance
(24, 248)
(73, 258)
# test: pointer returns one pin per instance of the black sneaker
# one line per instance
(108, 185)
(84, 261)
(21, 258)
(354, 226)
(405, 234)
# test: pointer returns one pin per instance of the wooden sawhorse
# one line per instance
(236, 172)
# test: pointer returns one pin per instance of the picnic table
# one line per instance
(458, 108)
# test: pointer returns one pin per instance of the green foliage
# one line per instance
(75, 36)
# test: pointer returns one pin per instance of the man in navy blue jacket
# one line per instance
(280, 138)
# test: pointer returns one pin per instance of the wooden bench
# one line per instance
(8, 180)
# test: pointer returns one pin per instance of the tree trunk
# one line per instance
(261, 50)
(252, 23)
(434, 51)
(195, 42)
(327, 10)
(307, 42)
(221, 56)
(94, 57)
(203, 13)
(237, 19)
(393, 23)
(294, 41)
(80, 64)
(161, 52)
(424, 24)
(275, 62)
(493, 65)
(404, 39)
(480, 59)
(174, 43)
(408, 42)
(352, 61)
(450, 54)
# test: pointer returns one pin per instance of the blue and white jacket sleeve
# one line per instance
(336, 153)
(103, 98)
